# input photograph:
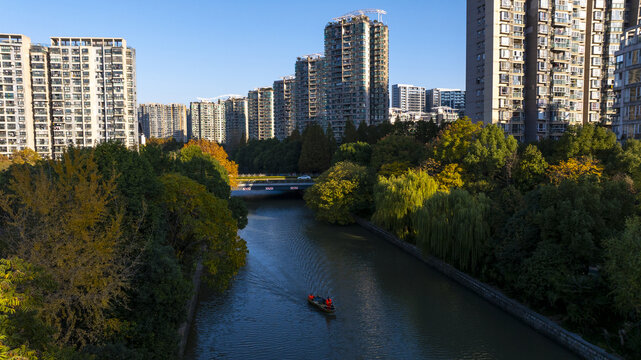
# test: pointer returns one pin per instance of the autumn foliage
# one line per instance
(217, 152)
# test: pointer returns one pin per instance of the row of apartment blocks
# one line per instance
(75, 92)
(536, 67)
(350, 82)
(417, 99)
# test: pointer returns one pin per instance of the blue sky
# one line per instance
(188, 49)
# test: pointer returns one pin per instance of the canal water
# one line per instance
(389, 304)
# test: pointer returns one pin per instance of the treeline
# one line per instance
(554, 224)
(312, 151)
(97, 249)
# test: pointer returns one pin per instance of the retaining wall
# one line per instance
(542, 324)
(183, 331)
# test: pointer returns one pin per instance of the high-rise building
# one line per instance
(627, 86)
(284, 121)
(308, 105)
(93, 91)
(408, 97)
(78, 91)
(236, 120)
(260, 106)
(16, 109)
(208, 120)
(163, 121)
(452, 98)
(536, 70)
(356, 75)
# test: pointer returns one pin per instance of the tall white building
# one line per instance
(261, 113)
(308, 94)
(284, 121)
(236, 120)
(208, 121)
(408, 97)
(93, 92)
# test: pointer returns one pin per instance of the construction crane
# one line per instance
(379, 14)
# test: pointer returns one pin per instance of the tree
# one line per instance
(449, 177)
(530, 169)
(349, 134)
(63, 219)
(454, 141)
(26, 156)
(202, 225)
(356, 152)
(315, 154)
(589, 141)
(574, 170)
(339, 193)
(623, 267)
(488, 154)
(425, 131)
(362, 131)
(454, 227)
(217, 152)
(397, 148)
(398, 197)
(206, 170)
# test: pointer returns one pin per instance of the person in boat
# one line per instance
(311, 297)
(328, 302)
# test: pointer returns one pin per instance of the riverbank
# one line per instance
(540, 323)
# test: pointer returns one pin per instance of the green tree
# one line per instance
(349, 134)
(530, 169)
(362, 131)
(339, 193)
(315, 154)
(206, 170)
(454, 141)
(356, 152)
(425, 131)
(398, 197)
(589, 141)
(397, 148)
(489, 153)
(26, 156)
(454, 227)
(623, 267)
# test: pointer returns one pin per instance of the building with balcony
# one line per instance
(208, 120)
(236, 121)
(260, 105)
(308, 94)
(408, 97)
(284, 120)
(163, 121)
(452, 98)
(356, 70)
(627, 86)
(564, 58)
(17, 130)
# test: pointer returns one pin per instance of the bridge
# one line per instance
(273, 185)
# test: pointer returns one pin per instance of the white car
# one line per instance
(304, 177)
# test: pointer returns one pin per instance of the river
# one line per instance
(389, 304)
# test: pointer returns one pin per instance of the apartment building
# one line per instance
(16, 108)
(536, 70)
(93, 92)
(284, 120)
(208, 120)
(356, 72)
(163, 121)
(236, 120)
(452, 98)
(408, 97)
(308, 94)
(627, 86)
(260, 105)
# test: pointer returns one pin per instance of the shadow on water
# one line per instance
(389, 304)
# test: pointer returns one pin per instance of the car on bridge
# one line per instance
(304, 177)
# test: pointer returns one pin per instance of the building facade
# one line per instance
(536, 70)
(208, 120)
(284, 119)
(236, 121)
(408, 97)
(627, 86)
(308, 94)
(260, 105)
(452, 98)
(163, 121)
(356, 75)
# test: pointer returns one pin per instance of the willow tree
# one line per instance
(398, 197)
(454, 227)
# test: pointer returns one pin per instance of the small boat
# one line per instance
(319, 302)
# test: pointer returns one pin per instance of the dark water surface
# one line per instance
(389, 305)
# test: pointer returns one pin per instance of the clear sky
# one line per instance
(187, 49)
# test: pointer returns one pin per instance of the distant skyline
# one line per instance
(190, 49)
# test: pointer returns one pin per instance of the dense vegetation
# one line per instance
(97, 249)
(554, 224)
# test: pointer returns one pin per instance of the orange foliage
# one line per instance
(217, 152)
(574, 169)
